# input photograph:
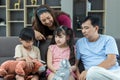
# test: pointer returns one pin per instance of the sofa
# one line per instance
(7, 48)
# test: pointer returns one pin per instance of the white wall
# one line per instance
(67, 6)
(113, 18)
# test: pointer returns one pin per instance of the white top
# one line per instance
(20, 51)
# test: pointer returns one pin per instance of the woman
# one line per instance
(46, 21)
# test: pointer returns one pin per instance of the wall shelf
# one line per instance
(15, 9)
(32, 5)
(16, 19)
(86, 8)
(97, 11)
(2, 6)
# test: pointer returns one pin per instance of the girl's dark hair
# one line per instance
(37, 25)
(27, 34)
(69, 33)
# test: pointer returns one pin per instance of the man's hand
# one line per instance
(83, 75)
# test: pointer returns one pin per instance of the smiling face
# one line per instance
(88, 30)
(46, 19)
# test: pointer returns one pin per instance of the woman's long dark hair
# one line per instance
(69, 33)
(37, 25)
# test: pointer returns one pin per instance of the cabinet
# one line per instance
(29, 9)
(82, 8)
(17, 14)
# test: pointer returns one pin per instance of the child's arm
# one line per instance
(74, 67)
(28, 61)
(49, 61)
(18, 53)
(77, 69)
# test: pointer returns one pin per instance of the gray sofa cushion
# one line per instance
(7, 47)
(118, 44)
(43, 49)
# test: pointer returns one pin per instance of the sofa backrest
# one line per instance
(43, 49)
(7, 47)
(118, 44)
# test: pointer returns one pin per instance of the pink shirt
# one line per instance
(59, 54)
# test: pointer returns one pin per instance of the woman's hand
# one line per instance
(39, 36)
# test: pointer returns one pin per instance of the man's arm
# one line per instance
(109, 62)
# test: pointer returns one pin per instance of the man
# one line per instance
(97, 52)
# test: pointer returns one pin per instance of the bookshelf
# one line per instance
(88, 7)
(17, 14)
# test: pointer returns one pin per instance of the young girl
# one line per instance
(26, 51)
(61, 48)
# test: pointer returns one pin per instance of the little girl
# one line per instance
(27, 51)
(62, 47)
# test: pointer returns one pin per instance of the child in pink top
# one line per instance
(61, 48)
